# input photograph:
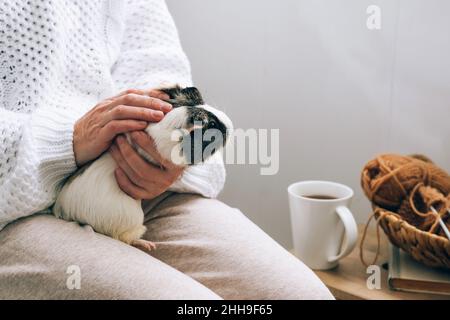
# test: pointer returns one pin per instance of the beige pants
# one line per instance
(206, 250)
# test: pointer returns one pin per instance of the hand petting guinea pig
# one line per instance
(92, 196)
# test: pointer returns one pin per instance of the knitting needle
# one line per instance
(444, 227)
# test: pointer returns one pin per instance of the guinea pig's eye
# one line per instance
(212, 124)
(181, 133)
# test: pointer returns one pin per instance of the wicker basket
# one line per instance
(429, 249)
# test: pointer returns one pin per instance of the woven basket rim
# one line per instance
(394, 216)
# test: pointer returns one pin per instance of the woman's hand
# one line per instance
(135, 176)
(129, 111)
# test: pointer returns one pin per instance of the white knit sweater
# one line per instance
(58, 58)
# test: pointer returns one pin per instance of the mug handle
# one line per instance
(351, 232)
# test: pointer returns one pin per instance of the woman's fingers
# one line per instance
(144, 101)
(128, 91)
(137, 177)
(137, 168)
(155, 93)
(134, 105)
(147, 144)
(122, 112)
(123, 164)
(115, 127)
(130, 110)
(129, 187)
(120, 160)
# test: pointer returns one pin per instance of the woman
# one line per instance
(58, 59)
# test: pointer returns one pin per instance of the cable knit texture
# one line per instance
(58, 58)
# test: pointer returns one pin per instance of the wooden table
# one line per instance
(348, 280)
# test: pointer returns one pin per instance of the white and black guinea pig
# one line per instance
(91, 196)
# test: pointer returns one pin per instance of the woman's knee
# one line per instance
(268, 271)
(276, 277)
(296, 282)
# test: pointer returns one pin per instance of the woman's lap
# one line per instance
(222, 249)
(36, 254)
(212, 245)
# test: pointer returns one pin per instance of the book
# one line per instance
(406, 274)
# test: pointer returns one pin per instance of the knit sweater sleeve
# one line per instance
(151, 55)
(36, 154)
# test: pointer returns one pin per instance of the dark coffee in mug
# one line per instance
(320, 197)
(320, 220)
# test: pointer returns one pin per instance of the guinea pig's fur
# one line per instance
(91, 196)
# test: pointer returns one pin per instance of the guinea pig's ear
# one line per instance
(193, 96)
(189, 96)
(171, 90)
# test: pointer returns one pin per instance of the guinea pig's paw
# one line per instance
(144, 245)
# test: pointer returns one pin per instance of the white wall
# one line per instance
(338, 92)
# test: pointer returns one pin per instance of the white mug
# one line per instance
(319, 225)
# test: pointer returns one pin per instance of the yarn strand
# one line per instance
(363, 238)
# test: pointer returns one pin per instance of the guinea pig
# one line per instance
(92, 196)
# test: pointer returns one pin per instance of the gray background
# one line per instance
(338, 92)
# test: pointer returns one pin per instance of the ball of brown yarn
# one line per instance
(404, 191)
(416, 209)
(388, 179)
